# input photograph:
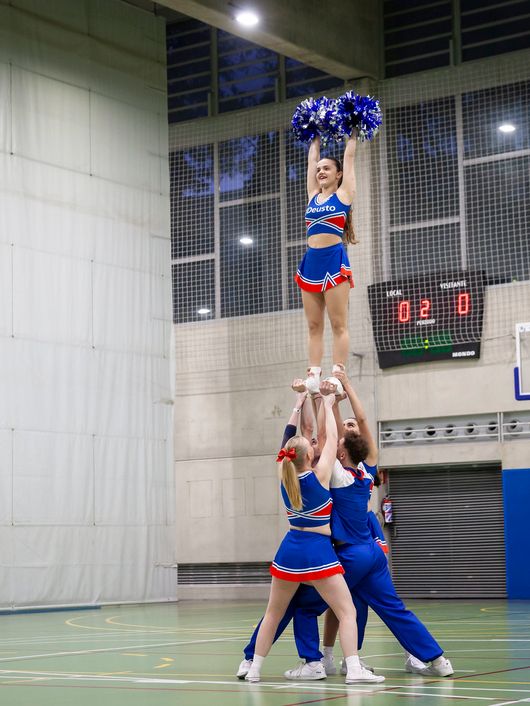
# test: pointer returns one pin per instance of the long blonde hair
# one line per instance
(290, 470)
(348, 234)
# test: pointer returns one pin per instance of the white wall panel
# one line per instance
(120, 243)
(57, 389)
(68, 14)
(159, 214)
(52, 297)
(6, 290)
(125, 399)
(49, 227)
(128, 324)
(139, 32)
(50, 121)
(5, 108)
(53, 479)
(7, 561)
(131, 481)
(160, 255)
(49, 387)
(6, 476)
(125, 143)
(48, 48)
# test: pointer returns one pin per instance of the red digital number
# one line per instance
(404, 311)
(425, 308)
(463, 303)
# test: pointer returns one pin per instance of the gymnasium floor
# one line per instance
(187, 653)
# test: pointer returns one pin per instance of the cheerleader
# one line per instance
(324, 274)
(306, 553)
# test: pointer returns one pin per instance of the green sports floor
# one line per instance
(187, 653)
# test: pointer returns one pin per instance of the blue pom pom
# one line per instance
(362, 113)
(304, 121)
(328, 120)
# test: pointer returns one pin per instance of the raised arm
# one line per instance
(290, 429)
(328, 454)
(360, 416)
(347, 190)
(313, 158)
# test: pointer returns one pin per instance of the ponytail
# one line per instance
(293, 458)
(291, 484)
(349, 235)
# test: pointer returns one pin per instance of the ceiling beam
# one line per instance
(340, 37)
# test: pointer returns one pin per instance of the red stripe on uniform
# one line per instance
(338, 279)
(307, 575)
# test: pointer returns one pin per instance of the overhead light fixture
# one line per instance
(203, 311)
(247, 18)
(245, 240)
(506, 128)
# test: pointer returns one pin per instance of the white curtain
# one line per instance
(86, 488)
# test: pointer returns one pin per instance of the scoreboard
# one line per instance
(434, 316)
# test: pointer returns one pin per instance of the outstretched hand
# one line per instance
(341, 375)
(298, 385)
(327, 390)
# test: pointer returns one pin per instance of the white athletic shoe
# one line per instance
(329, 665)
(306, 671)
(344, 668)
(312, 382)
(243, 669)
(253, 676)
(440, 667)
(360, 675)
(413, 665)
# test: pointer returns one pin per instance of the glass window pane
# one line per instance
(249, 166)
(193, 290)
(422, 164)
(192, 202)
(251, 272)
(433, 249)
(486, 110)
(497, 219)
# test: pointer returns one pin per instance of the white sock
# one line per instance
(352, 662)
(256, 664)
(328, 651)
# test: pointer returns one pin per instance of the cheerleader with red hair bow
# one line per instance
(306, 553)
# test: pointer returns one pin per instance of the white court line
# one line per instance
(350, 689)
(326, 686)
(117, 649)
(505, 703)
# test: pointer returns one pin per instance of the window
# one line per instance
(485, 111)
(422, 162)
(188, 70)
(192, 202)
(497, 224)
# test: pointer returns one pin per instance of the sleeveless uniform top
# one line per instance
(327, 217)
(316, 503)
(351, 490)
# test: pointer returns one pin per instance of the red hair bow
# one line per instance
(284, 453)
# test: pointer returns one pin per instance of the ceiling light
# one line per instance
(245, 240)
(203, 311)
(506, 128)
(247, 18)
